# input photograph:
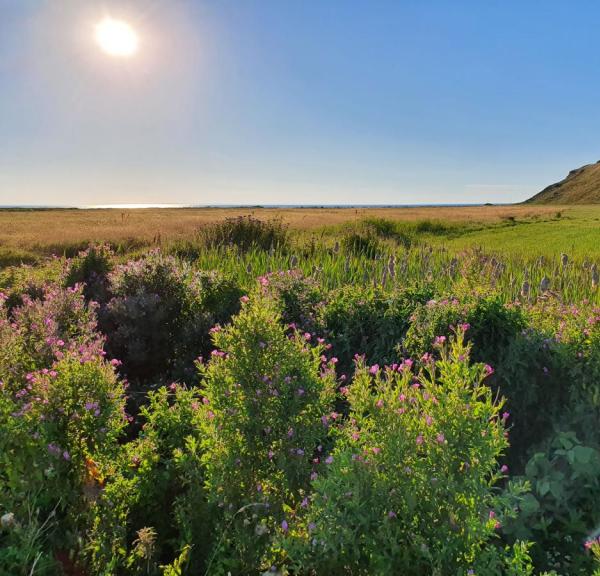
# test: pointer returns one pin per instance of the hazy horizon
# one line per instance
(270, 103)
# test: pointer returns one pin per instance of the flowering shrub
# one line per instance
(159, 471)
(91, 268)
(266, 410)
(409, 485)
(41, 331)
(158, 319)
(367, 321)
(61, 420)
(298, 297)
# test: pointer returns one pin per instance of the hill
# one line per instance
(581, 186)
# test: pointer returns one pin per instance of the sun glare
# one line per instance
(117, 38)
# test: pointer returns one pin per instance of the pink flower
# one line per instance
(379, 403)
(244, 299)
(488, 370)
(504, 469)
(440, 438)
(374, 369)
(419, 440)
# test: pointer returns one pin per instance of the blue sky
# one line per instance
(291, 102)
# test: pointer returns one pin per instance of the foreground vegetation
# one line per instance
(254, 400)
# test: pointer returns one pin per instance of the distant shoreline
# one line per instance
(240, 206)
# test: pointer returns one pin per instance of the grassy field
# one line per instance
(515, 229)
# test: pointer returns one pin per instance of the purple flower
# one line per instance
(392, 514)
(329, 460)
(504, 469)
(66, 455)
(284, 526)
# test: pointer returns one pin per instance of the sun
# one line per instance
(117, 38)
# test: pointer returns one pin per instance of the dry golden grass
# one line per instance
(581, 186)
(48, 230)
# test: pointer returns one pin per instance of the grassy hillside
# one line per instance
(581, 186)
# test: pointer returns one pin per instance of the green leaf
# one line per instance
(529, 505)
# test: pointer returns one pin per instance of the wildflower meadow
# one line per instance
(260, 402)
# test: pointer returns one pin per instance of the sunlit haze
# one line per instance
(116, 38)
(270, 102)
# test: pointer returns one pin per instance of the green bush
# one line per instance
(157, 472)
(91, 268)
(245, 232)
(54, 425)
(368, 321)
(158, 319)
(409, 487)
(266, 412)
(563, 507)
(297, 297)
(365, 244)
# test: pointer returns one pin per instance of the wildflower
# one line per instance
(440, 438)
(439, 340)
(244, 299)
(505, 416)
(66, 455)
(504, 469)
(307, 336)
(329, 460)
(304, 503)
(284, 526)
(379, 403)
(376, 450)
(313, 475)
(419, 440)
(392, 514)
(488, 370)
(311, 526)
(374, 369)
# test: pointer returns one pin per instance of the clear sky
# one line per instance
(292, 102)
